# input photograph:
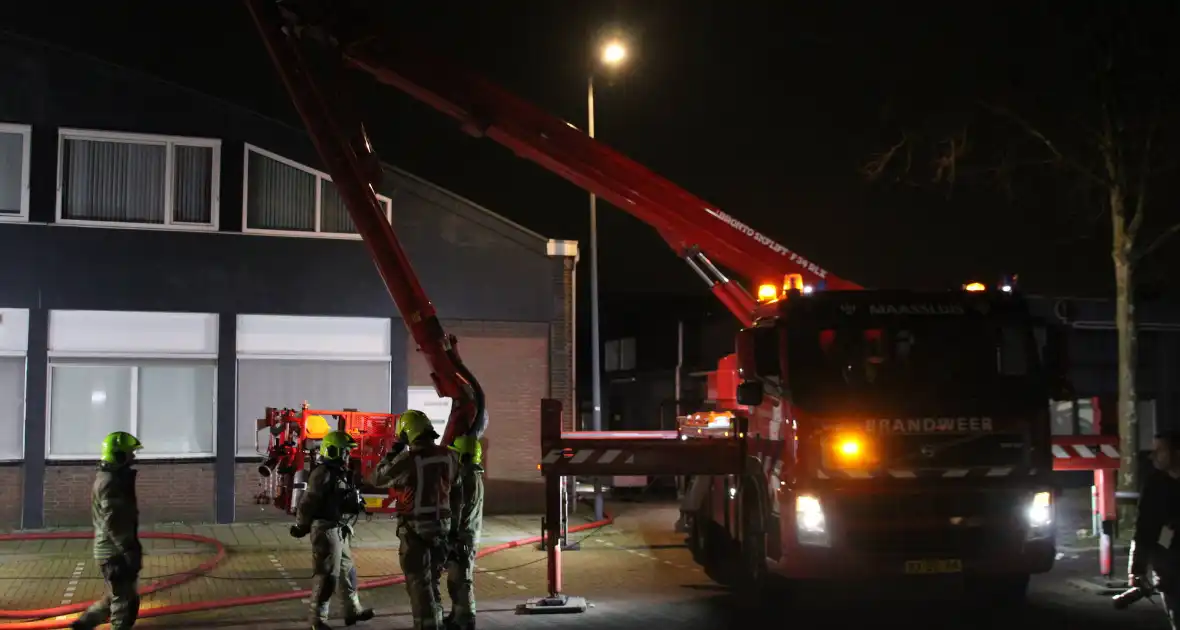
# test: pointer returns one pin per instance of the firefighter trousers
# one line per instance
(460, 569)
(120, 602)
(333, 570)
(422, 552)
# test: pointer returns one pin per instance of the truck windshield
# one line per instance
(897, 360)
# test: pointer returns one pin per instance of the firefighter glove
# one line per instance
(298, 532)
(396, 449)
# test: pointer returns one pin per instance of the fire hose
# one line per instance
(45, 623)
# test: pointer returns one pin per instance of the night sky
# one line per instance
(767, 109)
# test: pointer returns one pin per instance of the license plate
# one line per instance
(925, 567)
(374, 502)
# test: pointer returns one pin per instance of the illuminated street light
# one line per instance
(613, 53)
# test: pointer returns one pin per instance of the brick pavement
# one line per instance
(635, 573)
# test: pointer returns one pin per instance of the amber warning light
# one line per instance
(974, 286)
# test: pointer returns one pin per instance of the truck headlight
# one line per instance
(1040, 511)
(811, 528)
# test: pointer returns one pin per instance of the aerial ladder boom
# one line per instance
(344, 147)
(696, 230)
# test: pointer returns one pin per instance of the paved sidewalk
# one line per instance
(379, 532)
(262, 558)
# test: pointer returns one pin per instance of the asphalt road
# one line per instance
(637, 574)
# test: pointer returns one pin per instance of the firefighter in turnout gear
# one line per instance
(463, 542)
(329, 508)
(423, 475)
(116, 535)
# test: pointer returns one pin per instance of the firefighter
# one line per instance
(1155, 543)
(329, 508)
(422, 474)
(466, 521)
(116, 535)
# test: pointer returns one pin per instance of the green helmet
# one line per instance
(335, 445)
(467, 445)
(414, 424)
(118, 445)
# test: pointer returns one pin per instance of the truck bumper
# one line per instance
(842, 564)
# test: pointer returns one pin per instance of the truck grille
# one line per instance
(952, 451)
(948, 522)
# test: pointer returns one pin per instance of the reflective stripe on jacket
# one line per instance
(424, 475)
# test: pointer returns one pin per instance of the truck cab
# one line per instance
(891, 433)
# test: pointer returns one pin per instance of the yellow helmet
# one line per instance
(467, 445)
(336, 444)
(413, 424)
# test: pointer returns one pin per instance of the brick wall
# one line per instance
(11, 481)
(512, 363)
(168, 492)
(246, 488)
(561, 342)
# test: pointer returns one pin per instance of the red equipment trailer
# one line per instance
(293, 437)
(826, 471)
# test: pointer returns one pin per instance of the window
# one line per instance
(134, 180)
(14, 172)
(12, 408)
(168, 405)
(283, 196)
(329, 362)
(287, 383)
(619, 355)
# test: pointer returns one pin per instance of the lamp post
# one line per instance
(612, 54)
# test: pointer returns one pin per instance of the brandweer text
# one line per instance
(930, 425)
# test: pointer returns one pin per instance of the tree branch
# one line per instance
(1158, 242)
(1144, 172)
(1049, 144)
(876, 167)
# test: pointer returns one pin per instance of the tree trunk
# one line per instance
(1128, 352)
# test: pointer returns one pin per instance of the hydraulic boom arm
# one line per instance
(347, 154)
(692, 227)
(696, 230)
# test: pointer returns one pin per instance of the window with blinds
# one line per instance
(286, 197)
(287, 383)
(14, 171)
(138, 180)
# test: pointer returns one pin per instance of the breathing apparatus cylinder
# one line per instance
(298, 486)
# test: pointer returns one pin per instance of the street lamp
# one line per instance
(612, 54)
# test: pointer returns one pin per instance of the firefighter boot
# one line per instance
(352, 617)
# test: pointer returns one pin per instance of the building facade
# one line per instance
(177, 264)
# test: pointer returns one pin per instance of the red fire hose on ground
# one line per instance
(45, 623)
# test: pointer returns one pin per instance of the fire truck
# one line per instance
(854, 432)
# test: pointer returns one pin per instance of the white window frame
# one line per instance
(26, 133)
(170, 142)
(134, 399)
(320, 177)
(24, 407)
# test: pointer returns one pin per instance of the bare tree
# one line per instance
(1109, 145)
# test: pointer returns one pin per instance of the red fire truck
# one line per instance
(882, 433)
